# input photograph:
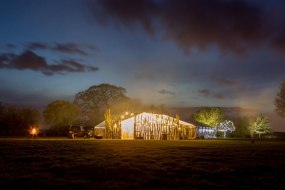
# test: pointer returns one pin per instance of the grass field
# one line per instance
(115, 164)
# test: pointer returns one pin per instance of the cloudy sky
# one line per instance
(176, 53)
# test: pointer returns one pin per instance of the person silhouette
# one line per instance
(252, 139)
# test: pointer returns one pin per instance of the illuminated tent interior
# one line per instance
(149, 126)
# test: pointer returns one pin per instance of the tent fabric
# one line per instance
(146, 123)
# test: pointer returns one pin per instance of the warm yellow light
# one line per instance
(132, 114)
(122, 117)
(127, 113)
(34, 131)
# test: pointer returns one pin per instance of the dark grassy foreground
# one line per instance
(105, 164)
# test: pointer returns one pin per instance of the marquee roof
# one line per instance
(153, 117)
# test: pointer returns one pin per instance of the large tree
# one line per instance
(280, 100)
(98, 98)
(261, 125)
(100, 95)
(59, 114)
(209, 116)
(241, 126)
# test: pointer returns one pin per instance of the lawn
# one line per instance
(122, 164)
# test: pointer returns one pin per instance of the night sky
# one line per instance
(177, 53)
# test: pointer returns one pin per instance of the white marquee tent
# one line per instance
(151, 126)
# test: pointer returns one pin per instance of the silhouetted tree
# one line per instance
(17, 121)
(242, 129)
(10, 120)
(28, 117)
(2, 116)
(59, 114)
(98, 98)
(280, 100)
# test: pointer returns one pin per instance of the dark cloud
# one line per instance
(227, 82)
(204, 92)
(165, 92)
(233, 25)
(11, 46)
(219, 95)
(6, 57)
(91, 47)
(279, 41)
(28, 60)
(37, 45)
(75, 65)
(128, 12)
(32, 61)
(208, 93)
(67, 48)
(90, 68)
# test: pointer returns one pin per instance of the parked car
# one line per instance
(80, 131)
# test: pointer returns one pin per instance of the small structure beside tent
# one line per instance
(204, 131)
(100, 130)
(147, 126)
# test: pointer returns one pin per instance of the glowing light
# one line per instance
(148, 126)
(226, 127)
(34, 131)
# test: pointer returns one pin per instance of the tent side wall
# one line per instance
(127, 129)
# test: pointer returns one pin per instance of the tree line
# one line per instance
(89, 106)
(237, 126)
(16, 121)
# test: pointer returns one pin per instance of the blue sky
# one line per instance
(176, 53)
